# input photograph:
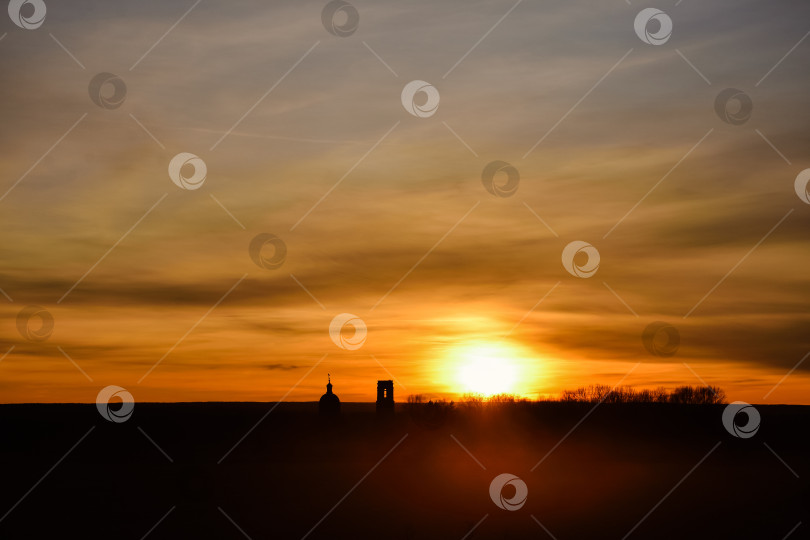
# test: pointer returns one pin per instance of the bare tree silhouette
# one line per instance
(682, 395)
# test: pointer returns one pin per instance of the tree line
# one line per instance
(682, 395)
(595, 393)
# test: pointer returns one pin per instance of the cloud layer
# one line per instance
(384, 214)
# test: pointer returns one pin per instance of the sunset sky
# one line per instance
(384, 214)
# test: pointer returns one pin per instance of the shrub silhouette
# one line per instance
(428, 413)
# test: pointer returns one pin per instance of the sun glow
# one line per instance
(489, 369)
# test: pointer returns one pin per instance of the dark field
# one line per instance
(286, 477)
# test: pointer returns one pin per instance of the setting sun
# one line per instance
(489, 368)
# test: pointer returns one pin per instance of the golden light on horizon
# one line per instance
(333, 199)
(492, 368)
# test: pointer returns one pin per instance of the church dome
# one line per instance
(329, 402)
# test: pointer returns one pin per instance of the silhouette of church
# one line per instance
(329, 403)
(385, 396)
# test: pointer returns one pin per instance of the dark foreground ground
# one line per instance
(296, 476)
